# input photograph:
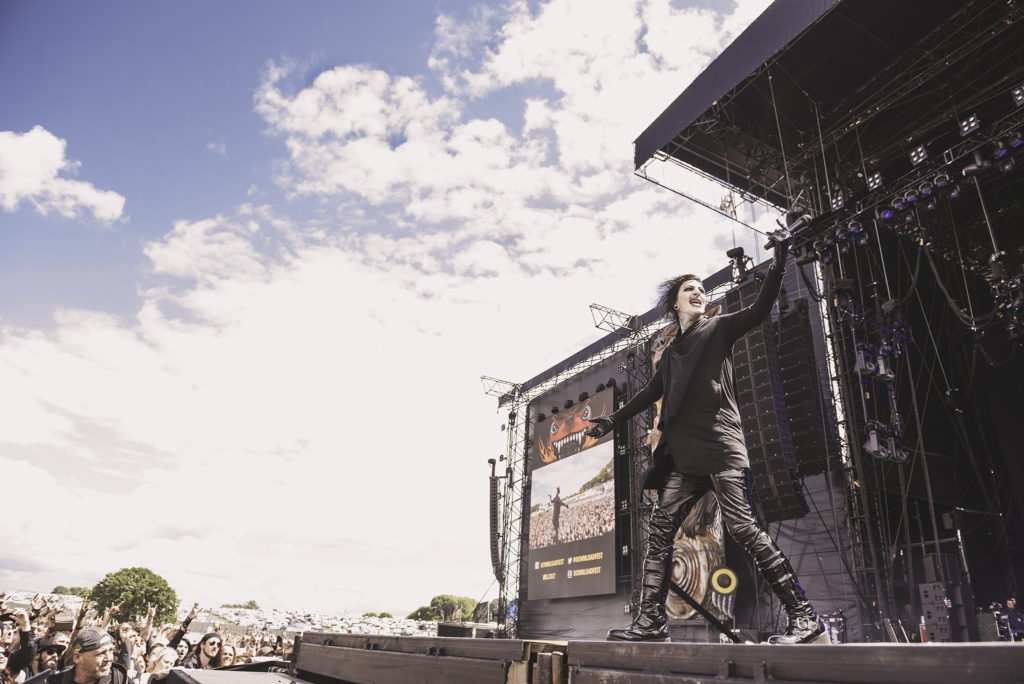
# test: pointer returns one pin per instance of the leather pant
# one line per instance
(733, 489)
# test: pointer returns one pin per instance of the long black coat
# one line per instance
(700, 421)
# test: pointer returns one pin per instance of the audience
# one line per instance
(587, 516)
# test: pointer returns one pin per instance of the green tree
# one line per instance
(248, 605)
(445, 605)
(369, 615)
(71, 591)
(385, 615)
(132, 589)
(607, 473)
(423, 613)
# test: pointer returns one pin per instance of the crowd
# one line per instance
(583, 518)
(43, 644)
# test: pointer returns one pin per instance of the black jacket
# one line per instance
(700, 420)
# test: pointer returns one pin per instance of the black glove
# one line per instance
(602, 426)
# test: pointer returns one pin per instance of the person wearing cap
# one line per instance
(93, 660)
(206, 654)
(47, 656)
(17, 642)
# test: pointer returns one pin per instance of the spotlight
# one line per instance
(978, 167)
(568, 403)
(738, 263)
(1006, 165)
(824, 254)
(583, 396)
(899, 203)
(841, 234)
(875, 181)
(1018, 95)
(554, 410)
(918, 155)
(930, 203)
(600, 388)
(838, 200)
(610, 382)
(863, 239)
(969, 125)
(925, 188)
(541, 417)
(953, 192)
(909, 216)
(854, 226)
(942, 180)
(884, 212)
(1001, 149)
(1015, 140)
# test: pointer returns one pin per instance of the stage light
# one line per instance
(610, 382)
(1018, 95)
(899, 203)
(838, 200)
(979, 166)
(583, 396)
(854, 226)
(883, 213)
(953, 192)
(911, 195)
(841, 234)
(1001, 149)
(1015, 140)
(568, 403)
(925, 188)
(942, 180)
(863, 239)
(909, 216)
(738, 264)
(554, 410)
(541, 417)
(1006, 165)
(824, 254)
(969, 125)
(875, 181)
(600, 388)
(918, 155)
(930, 203)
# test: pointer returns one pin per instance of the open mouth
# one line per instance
(569, 445)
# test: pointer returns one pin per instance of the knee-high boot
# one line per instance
(651, 623)
(803, 625)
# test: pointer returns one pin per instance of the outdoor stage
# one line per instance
(325, 658)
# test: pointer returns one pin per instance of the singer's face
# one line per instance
(691, 299)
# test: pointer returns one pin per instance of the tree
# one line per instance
(385, 615)
(71, 591)
(423, 613)
(369, 615)
(249, 605)
(131, 589)
(445, 606)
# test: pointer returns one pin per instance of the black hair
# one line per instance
(668, 292)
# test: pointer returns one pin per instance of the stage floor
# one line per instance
(325, 658)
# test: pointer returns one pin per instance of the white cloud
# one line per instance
(31, 165)
(218, 148)
(308, 394)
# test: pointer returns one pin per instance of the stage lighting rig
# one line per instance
(874, 181)
(838, 200)
(980, 166)
(1018, 95)
(1007, 164)
(969, 125)
(883, 443)
(739, 264)
(918, 155)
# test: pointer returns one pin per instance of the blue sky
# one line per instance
(254, 257)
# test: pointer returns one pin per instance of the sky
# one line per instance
(255, 257)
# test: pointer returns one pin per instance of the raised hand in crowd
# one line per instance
(147, 625)
(112, 610)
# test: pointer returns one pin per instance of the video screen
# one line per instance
(572, 505)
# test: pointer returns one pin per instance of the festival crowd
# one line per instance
(583, 518)
(37, 648)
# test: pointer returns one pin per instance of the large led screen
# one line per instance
(572, 505)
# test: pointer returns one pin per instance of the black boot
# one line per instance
(804, 625)
(651, 623)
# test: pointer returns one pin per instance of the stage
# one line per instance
(324, 658)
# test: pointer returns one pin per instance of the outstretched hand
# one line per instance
(602, 425)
